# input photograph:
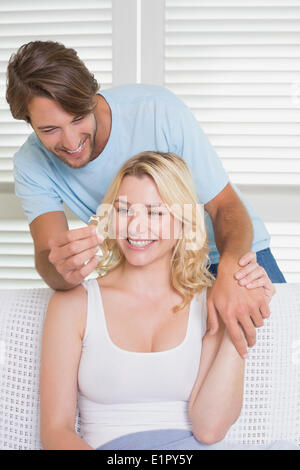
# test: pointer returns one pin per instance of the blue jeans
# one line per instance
(264, 259)
(180, 439)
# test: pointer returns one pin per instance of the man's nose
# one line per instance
(70, 140)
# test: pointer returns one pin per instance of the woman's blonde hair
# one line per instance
(189, 273)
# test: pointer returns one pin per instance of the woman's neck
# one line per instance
(152, 280)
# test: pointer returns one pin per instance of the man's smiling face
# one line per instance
(70, 138)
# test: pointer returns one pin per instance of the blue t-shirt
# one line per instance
(144, 117)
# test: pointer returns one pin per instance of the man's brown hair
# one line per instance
(49, 69)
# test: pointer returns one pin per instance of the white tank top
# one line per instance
(121, 392)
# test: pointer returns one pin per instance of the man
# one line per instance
(82, 137)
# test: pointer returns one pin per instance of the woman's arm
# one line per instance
(61, 351)
(217, 397)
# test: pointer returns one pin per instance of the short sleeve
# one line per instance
(36, 198)
(191, 143)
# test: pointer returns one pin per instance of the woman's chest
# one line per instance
(144, 327)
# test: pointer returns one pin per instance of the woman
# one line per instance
(131, 340)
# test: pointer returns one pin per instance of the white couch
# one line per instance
(271, 409)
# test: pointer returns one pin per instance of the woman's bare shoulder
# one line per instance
(69, 298)
(69, 306)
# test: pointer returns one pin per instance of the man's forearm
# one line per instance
(233, 233)
(48, 272)
(235, 304)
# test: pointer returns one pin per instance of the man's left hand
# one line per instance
(237, 306)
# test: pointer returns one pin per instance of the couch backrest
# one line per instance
(271, 409)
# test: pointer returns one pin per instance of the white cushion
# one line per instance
(271, 409)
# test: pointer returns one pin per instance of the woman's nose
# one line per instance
(138, 223)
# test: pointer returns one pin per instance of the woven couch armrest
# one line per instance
(271, 405)
(22, 314)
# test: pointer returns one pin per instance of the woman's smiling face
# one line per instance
(144, 228)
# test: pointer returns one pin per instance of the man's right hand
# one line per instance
(73, 253)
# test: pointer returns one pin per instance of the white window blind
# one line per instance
(236, 65)
(17, 269)
(86, 26)
(285, 246)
